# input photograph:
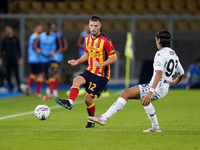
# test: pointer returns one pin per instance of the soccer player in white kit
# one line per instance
(166, 64)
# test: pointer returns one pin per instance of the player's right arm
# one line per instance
(35, 45)
(78, 61)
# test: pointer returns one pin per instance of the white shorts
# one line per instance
(157, 94)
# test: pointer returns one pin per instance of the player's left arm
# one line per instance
(177, 80)
(147, 98)
(59, 42)
(109, 61)
(65, 44)
(59, 45)
(181, 75)
(112, 56)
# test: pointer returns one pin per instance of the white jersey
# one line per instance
(167, 61)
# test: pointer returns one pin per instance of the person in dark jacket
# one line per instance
(11, 55)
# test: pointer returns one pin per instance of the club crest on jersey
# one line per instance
(96, 44)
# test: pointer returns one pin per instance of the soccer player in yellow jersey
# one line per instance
(100, 53)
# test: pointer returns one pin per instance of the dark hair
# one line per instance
(165, 38)
(48, 24)
(95, 18)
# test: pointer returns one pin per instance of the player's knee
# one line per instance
(88, 99)
(78, 81)
(124, 94)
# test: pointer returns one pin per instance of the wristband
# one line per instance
(152, 89)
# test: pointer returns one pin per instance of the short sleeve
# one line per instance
(85, 48)
(159, 62)
(108, 46)
(180, 68)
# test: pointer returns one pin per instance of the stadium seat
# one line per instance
(50, 8)
(180, 7)
(154, 7)
(193, 6)
(24, 7)
(194, 25)
(77, 7)
(69, 25)
(142, 26)
(115, 8)
(62, 7)
(158, 25)
(89, 8)
(128, 8)
(37, 7)
(30, 24)
(141, 7)
(80, 24)
(106, 26)
(181, 26)
(13, 7)
(118, 26)
(167, 7)
(102, 7)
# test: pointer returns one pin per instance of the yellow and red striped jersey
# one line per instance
(99, 49)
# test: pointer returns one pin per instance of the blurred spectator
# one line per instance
(3, 75)
(58, 58)
(193, 75)
(48, 44)
(81, 42)
(35, 64)
(11, 55)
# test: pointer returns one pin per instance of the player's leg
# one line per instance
(131, 93)
(55, 90)
(153, 118)
(144, 89)
(90, 106)
(16, 72)
(31, 78)
(39, 83)
(74, 90)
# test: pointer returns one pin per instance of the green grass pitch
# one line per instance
(178, 115)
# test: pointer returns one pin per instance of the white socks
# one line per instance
(151, 114)
(115, 107)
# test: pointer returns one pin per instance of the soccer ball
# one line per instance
(42, 112)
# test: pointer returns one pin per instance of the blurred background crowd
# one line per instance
(143, 18)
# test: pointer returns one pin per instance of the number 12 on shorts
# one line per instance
(92, 86)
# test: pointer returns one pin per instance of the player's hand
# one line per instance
(73, 62)
(50, 55)
(172, 83)
(97, 64)
(147, 99)
(39, 51)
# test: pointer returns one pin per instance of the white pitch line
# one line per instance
(57, 106)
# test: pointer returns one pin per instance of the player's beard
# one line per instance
(95, 33)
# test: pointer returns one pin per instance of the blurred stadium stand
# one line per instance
(142, 17)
